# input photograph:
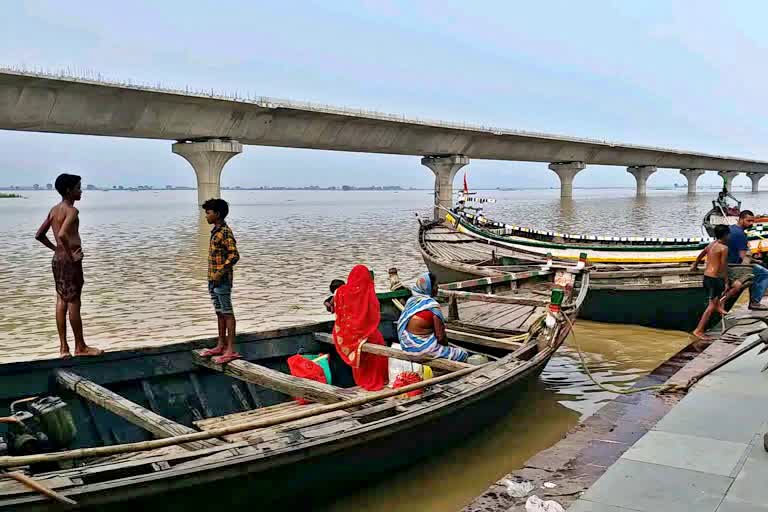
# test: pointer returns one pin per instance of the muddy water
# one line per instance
(145, 284)
(451, 479)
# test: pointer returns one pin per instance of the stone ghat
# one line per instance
(593, 446)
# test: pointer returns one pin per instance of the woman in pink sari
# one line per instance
(357, 323)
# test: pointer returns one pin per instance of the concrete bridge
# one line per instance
(208, 130)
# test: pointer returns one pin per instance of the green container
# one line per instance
(557, 297)
(55, 420)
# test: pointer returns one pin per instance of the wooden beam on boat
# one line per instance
(437, 363)
(494, 299)
(279, 381)
(159, 426)
(485, 341)
(503, 278)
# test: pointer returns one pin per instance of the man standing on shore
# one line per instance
(738, 255)
(67, 263)
(222, 256)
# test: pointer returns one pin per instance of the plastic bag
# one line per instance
(517, 489)
(398, 366)
(536, 504)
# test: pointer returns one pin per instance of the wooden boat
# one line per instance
(721, 213)
(163, 427)
(567, 247)
(666, 295)
(726, 213)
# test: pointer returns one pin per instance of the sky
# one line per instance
(678, 74)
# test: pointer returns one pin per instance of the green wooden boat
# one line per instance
(161, 427)
(661, 295)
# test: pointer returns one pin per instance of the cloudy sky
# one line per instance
(678, 74)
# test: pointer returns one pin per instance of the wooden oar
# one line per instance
(38, 487)
(104, 451)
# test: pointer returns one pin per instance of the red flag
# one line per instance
(466, 188)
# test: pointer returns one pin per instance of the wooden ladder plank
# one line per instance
(273, 379)
(159, 426)
(381, 350)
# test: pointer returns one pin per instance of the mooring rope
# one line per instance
(631, 391)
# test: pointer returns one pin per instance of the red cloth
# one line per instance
(300, 366)
(427, 315)
(406, 378)
(357, 322)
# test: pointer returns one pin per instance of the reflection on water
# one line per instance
(145, 270)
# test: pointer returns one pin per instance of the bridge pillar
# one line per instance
(728, 178)
(445, 169)
(755, 177)
(566, 171)
(641, 173)
(208, 159)
(692, 175)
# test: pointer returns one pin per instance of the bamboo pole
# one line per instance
(104, 451)
(38, 487)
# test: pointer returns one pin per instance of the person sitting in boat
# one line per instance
(421, 327)
(328, 303)
(358, 316)
(722, 202)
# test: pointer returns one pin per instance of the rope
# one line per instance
(631, 391)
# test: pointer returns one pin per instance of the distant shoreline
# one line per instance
(340, 189)
(10, 196)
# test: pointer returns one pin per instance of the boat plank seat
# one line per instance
(494, 299)
(485, 341)
(473, 328)
(437, 363)
(278, 381)
(152, 422)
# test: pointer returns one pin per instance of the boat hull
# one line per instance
(449, 275)
(668, 308)
(620, 250)
(291, 464)
(678, 309)
(665, 296)
(317, 473)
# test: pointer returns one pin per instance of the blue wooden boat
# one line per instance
(162, 428)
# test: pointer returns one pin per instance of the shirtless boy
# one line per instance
(715, 275)
(67, 263)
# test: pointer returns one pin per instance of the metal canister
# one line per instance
(55, 420)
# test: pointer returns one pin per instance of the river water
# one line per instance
(145, 270)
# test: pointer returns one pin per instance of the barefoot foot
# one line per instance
(226, 358)
(89, 351)
(65, 354)
(215, 351)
